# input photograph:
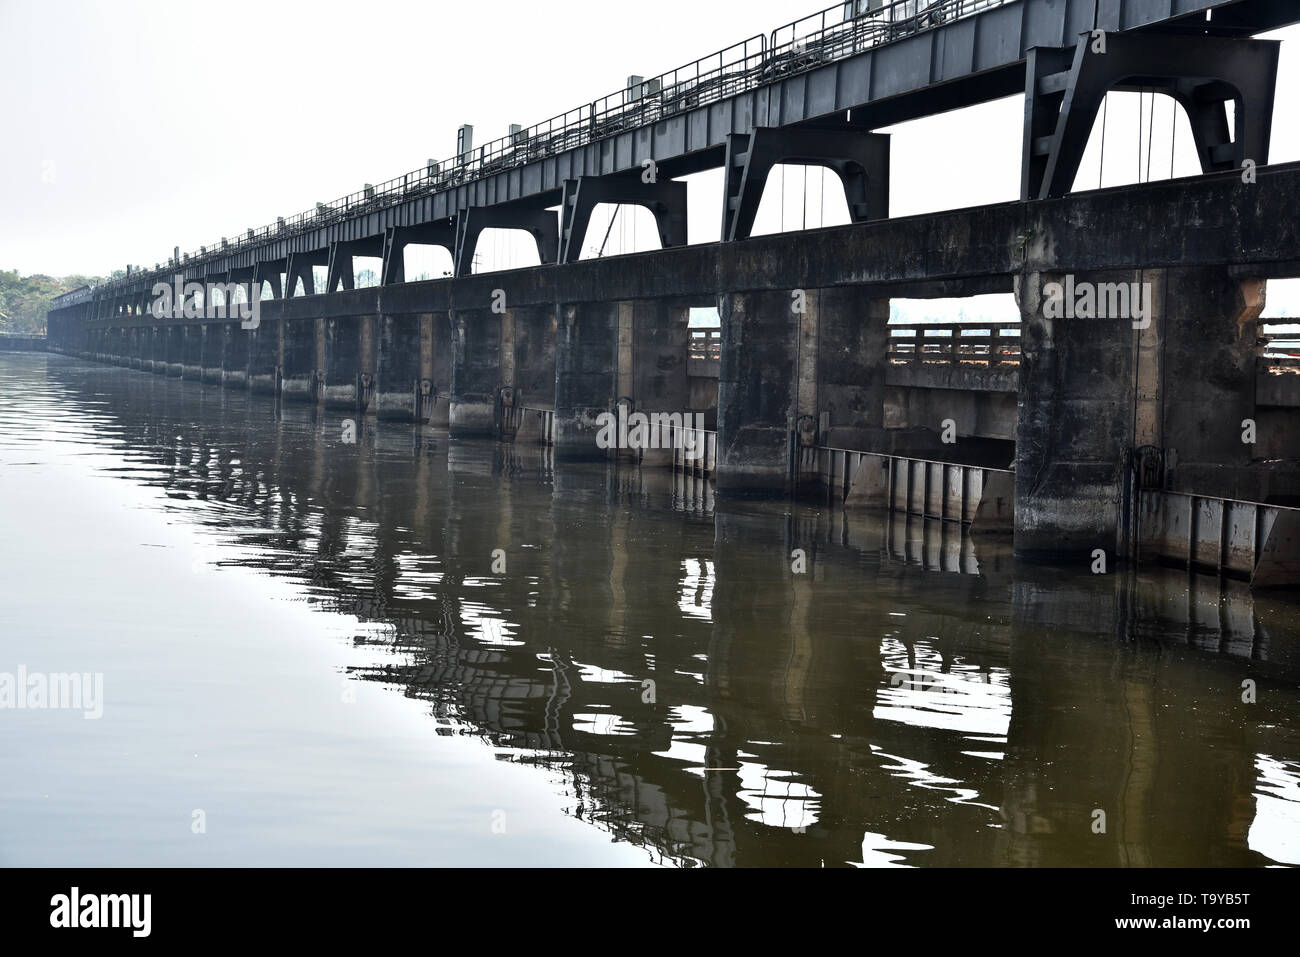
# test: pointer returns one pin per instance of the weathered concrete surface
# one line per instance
(586, 374)
(213, 353)
(344, 362)
(264, 358)
(299, 361)
(975, 414)
(234, 371)
(10, 342)
(436, 353)
(397, 367)
(192, 352)
(532, 337)
(175, 338)
(1093, 390)
(756, 392)
(808, 360)
(475, 371)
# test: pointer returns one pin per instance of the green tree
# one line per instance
(24, 300)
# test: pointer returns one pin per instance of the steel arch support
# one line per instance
(397, 238)
(859, 158)
(340, 260)
(1202, 73)
(666, 200)
(302, 266)
(542, 224)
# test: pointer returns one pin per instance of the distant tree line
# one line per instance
(24, 300)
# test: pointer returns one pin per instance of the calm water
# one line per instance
(312, 655)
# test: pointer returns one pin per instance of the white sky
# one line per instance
(137, 126)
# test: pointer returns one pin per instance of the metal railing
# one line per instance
(840, 31)
(997, 344)
(849, 28)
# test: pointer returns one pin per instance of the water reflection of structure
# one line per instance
(914, 698)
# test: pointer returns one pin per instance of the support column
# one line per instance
(339, 385)
(136, 346)
(214, 351)
(234, 371)
(149, 347)
(298, 361)
(475, 371)
(586, 375)
(1105, 406)
(810, 362)
(301, 267)
(533, 338)
(436, 353)
(264, 362)
(175, 354)
(192, 355)
(117, 346)
(269, 272)
(653, 370)
(340, 272)
(1208, 327)
(397, 368)
(367, 360)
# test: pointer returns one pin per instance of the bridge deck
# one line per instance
(901, 62)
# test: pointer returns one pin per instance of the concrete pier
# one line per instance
(301, 360)
(235, 349)
(214, 340)
(799, 367)
(397, 368)
(586, 374)
(263, 357)
(174, 356)
(348, 358)
(192, 352)
(1109, 401)
(476, 361)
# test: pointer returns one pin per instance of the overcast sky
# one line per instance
(136, 126)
